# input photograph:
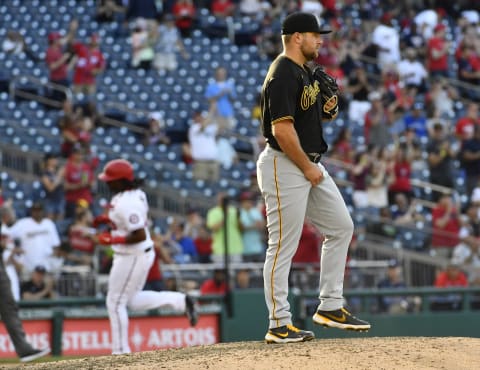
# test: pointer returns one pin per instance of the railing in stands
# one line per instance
(15, 88)
(164, 201)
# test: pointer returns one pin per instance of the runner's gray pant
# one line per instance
(9, 315)
(289, 197)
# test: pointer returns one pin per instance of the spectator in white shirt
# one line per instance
(312, 6)
(442, 98)
(226, 153)
(38, 237)
(202, 136)
(412, 72)
(169, 43)
(13, 43)
(254, 8)
(143, 39)
(472, 16)
(387, 40)
(426, 21)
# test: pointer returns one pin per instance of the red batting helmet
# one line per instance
(116, 170)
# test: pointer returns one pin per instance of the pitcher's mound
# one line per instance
(369, 353)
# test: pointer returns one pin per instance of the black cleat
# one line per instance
(191, 310)
(288, 334)
(34, 355)
(341, 319)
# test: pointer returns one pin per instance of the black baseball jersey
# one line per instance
(290, 92)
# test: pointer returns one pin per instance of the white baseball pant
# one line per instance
(289, 198)
(125, 282)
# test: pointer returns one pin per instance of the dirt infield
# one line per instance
(372, 353)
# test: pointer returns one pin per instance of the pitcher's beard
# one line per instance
(309, 55)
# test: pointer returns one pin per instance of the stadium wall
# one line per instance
(80, 327)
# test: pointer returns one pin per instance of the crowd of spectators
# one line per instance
(394, 63)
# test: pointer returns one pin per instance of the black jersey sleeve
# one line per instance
(282, 99)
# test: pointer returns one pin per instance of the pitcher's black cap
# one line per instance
(301, 22)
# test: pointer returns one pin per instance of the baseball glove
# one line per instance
(328, 92)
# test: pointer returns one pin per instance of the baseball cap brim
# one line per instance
(104, 177)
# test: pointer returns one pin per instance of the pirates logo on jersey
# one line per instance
(309, 95)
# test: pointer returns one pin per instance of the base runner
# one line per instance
(133, 255)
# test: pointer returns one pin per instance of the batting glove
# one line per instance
(101, 220)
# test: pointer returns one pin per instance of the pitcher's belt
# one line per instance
(314, 157)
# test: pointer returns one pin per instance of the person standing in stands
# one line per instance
(184, 12)
(440, 159)
(445, 226)
(252, 228)
(90, 63)
(470, 160)
(59, 64)
(437, 52)
(216, 224)
(38, 236)
(203, 147)
(52, 179)
(221, 94)
(78, 180)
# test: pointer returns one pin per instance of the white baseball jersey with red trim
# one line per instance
(131, 263)
(129, 212)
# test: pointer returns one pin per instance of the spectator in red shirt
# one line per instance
(184, 12)
(335, 70)
(59, 63)
(203, 244)
(437, 52)
(329, 54)
(82, 239)
(330, 8)
(69, 127)
(78, 180)
(452, 276)
(342, 148)
(308, 250)
(445, 226)
(90, 63)
(401, 175)
(215, 285)
(222, 8)
(155, 276)
(465, 126)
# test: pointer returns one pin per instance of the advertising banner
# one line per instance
(85, 336)
(92, 336)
